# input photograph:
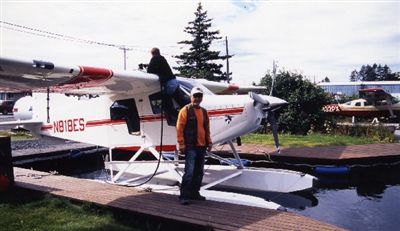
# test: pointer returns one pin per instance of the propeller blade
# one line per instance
(274, 126)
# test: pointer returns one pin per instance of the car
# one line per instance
(6, 106)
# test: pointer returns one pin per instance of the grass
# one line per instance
(18, 135)
(56, 214)
(312, 140)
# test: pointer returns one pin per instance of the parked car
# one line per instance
(6, 106)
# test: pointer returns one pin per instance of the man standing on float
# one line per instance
(194, 139)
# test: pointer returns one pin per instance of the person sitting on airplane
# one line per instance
(169, 85)
(194, 138)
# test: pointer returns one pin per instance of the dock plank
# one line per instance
(220, 216)
(329, 154)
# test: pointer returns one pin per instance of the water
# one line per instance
(347, 209)
(368, 198)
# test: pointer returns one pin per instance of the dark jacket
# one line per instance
(158, 65)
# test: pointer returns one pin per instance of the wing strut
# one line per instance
(48, 105)
(389, 102)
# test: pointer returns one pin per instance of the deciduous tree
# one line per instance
(305, 99)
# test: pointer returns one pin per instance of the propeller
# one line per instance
(269, 106)
(274, 125)
(271, 115)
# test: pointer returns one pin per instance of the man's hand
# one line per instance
(182, 149)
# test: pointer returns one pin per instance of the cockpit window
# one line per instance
(367, 103)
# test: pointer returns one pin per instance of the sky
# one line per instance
(317, 38)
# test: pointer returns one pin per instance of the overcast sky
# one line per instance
(315, 38)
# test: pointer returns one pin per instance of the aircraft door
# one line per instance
(126, 109)
(170, 104)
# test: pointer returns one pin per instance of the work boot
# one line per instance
(183, 201)
(198, 197)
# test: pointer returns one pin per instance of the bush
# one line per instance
(303, 113)
(376, 132)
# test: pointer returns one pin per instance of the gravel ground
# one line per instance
(36, 144)
(32, 144)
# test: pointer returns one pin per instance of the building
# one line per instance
(351, 88)
(12, 95)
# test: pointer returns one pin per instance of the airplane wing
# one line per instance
(227, 88)
(372, 95)
(37, 74)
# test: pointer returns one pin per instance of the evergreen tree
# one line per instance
(326, 80)
(380, 73)
(198, 61)
(354, 76)
(374, 73)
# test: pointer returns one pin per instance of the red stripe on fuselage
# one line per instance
(167, 148)
(224, 112)
(46, 127)
(95, 123)
(153, 118)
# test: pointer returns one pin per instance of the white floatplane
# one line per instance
(122, 110)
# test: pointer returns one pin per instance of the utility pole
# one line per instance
(227, 56)
(124, 48)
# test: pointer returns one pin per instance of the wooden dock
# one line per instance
(352, 154)
(208, 214)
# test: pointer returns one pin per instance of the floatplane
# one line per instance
(123, 110)
(372, 103)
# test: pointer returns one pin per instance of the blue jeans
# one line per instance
(194, 171)
(170, 87)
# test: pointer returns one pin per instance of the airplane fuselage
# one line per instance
(89, 119)
(360, 108)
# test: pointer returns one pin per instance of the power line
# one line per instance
(58, 36)
(43, 33)
(52, 35)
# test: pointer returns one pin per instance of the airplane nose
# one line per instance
(276, 102)
(267, 106)
(268, 102)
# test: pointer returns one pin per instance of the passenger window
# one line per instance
(126, 110)
(155, 102)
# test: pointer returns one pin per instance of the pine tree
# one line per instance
(198, 61)
(354, 76)
(374, 73)
(326, 80)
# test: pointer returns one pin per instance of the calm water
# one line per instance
(347, 209)
(368, 198)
